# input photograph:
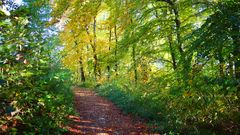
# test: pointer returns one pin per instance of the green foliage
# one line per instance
(50, 102)
(173, 62)
(35, 95)
(198, 111)
(41, 103)
(137, 101)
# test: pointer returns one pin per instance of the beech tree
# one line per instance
(178, 54)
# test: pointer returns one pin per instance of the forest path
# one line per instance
(99, 116)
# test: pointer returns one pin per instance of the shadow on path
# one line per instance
(99, 116)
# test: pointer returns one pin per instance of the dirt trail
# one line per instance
(99, 116)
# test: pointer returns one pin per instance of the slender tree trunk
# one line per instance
(95, 63)
(236, 52)
(177, 24)
(134, 62)
(109, 49)
(230, 66)
(94, 50)
(89, 71)
(116, 49)
(221, 63)
(97, 69)
(83, 79)
(174, 64)
(174, 10)
(81, 74)
(172, 52)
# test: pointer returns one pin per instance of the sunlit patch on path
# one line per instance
(101, 117)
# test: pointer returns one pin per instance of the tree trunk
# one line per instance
(174, 10)
(221, 63)
(109, 49)
(236, 51)
(95, 63)
(230, 66)
(174, 65)
(83, 79)
(116, 48)
(81, 74)
(177, 23)
(134, 63)
(96, 69)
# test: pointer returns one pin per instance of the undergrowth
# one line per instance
(39, 104)
(173, 110)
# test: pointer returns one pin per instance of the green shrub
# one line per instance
(43, 101)
(201, 110)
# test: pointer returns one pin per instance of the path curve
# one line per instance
(99, 116)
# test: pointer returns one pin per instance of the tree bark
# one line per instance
(83, 79)
(81, 68)
(95, 63)
(177, 23)
(230, 66)
(93, 43)
(174, 64)
(134, 63)
(109, 49)
(236, 51)
(116, 49)
(221, 62)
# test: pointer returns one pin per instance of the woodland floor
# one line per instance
(99, 116)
